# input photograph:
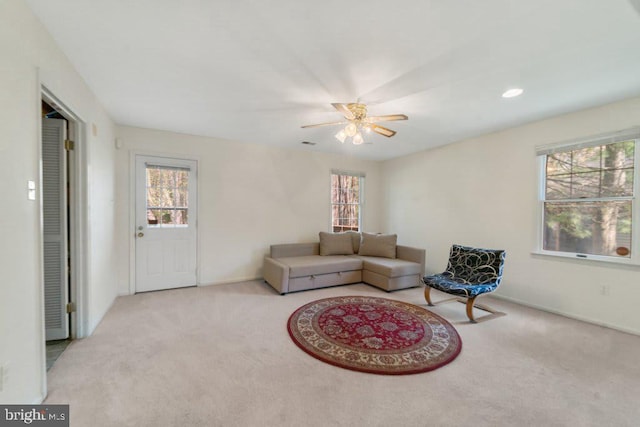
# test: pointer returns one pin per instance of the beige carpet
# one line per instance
(221, 356)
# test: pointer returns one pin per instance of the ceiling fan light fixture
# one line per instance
(357, 122)
(351, 129)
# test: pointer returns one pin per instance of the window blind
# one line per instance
(348, 173)
(594, 141)
(171, 168)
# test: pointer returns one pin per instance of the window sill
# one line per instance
(598, 259)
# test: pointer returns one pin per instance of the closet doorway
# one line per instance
(61, 212)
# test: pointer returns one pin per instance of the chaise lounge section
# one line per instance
(344, 258)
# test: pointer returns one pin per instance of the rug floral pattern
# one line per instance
(375, 335)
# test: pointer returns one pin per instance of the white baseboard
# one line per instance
(221, 282)
(228, 281)
(570, 316)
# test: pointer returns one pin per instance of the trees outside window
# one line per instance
(589, 198)
(167, 196)
(346, 201)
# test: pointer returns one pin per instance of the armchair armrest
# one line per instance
(408, 253)
(276, 274)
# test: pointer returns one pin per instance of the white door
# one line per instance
(166, 219)
(54, 228)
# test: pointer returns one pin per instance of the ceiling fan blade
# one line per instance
(383, 131)
(323, 124)
(344, 110)
(387, 118)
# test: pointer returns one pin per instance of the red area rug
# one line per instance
(375, 335)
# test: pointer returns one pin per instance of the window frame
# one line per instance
(541, 157)
(361, 202)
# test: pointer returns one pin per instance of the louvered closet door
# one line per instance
(54, 228)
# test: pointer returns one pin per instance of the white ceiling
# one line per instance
(255, 71)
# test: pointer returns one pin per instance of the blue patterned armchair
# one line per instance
(470, 273)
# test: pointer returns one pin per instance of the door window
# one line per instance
(167, 196)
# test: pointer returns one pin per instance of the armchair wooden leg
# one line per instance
(470, 302)
(427, 295)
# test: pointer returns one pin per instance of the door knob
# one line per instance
(140, 234)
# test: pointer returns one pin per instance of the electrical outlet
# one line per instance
(604, 290)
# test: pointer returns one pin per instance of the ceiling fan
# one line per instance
(357, 121)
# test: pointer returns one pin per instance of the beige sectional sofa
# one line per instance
(343, 258)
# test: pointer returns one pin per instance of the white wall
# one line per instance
(29, 57)
(482, 192)
(477, 192)
(251, 196)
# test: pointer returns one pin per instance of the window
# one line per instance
(589, 199)
(167, 196)
(346, 201)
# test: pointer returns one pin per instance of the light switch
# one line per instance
(31, 187)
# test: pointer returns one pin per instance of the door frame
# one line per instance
(78, 214)
(132, 209)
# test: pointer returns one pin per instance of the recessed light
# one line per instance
(512, 92)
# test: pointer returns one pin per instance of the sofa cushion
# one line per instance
(355, 238)
(335, 244)
(380, 245)
(390, 267)
(300, 266)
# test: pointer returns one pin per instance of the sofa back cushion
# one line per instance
(380, 245)
(355, 239)
(335, 244)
